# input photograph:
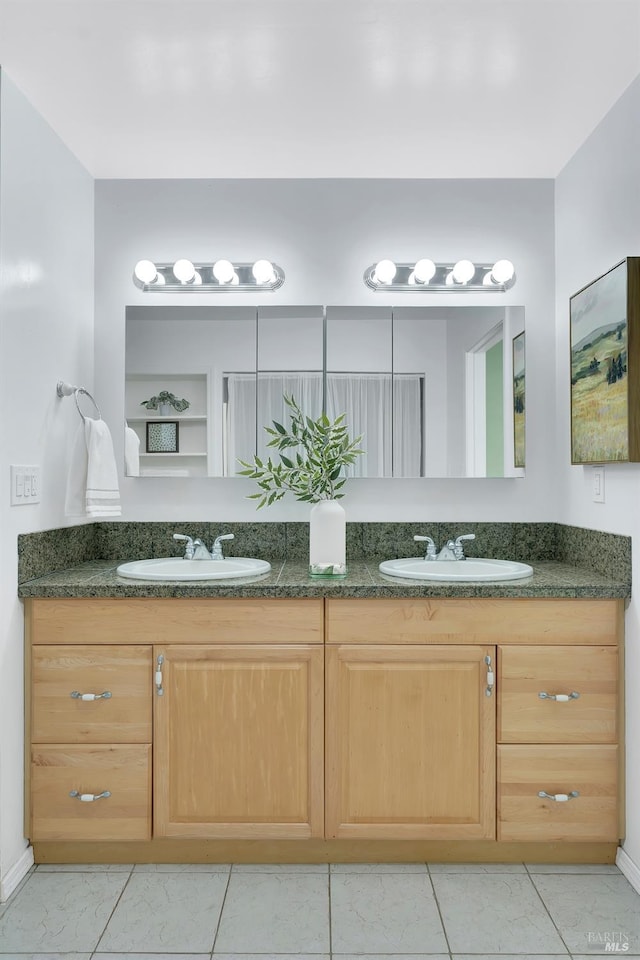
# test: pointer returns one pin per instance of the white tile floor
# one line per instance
(314, 912)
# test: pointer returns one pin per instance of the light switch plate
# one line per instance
(597, 481)
(25, 484)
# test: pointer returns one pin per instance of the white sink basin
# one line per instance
(176, 568)
(413, 568)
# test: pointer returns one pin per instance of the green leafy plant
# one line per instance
(313, 471)
(165, 397)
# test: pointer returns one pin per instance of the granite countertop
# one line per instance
(98, 578)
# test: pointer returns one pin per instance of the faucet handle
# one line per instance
(431, 547)
(216, 550)
(457, 545)
(189, 549)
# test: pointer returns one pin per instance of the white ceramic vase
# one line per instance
(165, 409)
(327, 540)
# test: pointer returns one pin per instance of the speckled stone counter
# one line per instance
(98, 578)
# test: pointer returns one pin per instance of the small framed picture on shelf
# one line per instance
(163, 437)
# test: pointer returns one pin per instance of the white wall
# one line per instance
(46, 334)
(597, 224)
(324, 233)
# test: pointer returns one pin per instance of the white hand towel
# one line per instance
(131, 452)
(102, 492)
(92, 481)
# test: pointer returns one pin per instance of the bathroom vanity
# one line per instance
(310, 723)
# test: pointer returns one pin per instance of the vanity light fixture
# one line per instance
(184, 276)
(426, 276)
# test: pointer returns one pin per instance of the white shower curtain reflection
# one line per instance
(306, 388)
(239, 421)
(408, 425)
(365, 399)
(386, 410)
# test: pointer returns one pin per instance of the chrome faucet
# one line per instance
(431, 547)
(453, 549)
(216, 550)
(195, 549)
(200, 552)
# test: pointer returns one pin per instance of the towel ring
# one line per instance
(66, 390)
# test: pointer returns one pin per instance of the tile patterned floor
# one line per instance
(315, 912)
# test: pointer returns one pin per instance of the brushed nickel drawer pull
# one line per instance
(90, 797)
(559, 797)
(558, 697)
(91, 696)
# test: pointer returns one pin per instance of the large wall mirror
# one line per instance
(435, 391)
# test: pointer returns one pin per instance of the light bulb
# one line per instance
(223, 271)
(424, 270)
(385, 271)
(263, 271)
(488, 280)
(463, 271)
(197, 279)
(184, 271)
(449, 281)
(502, 271)
(145, 271)
(411, 279)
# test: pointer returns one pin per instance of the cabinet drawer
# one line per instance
(525, 672)
(177, 620)
(123, 770)
(123, 672)
(523, 771)
(464, 620)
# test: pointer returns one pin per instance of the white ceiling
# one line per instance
(321, 88)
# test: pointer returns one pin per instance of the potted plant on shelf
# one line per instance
(163, 403)
(320, 450)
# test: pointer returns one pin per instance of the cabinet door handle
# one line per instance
(91, 696)
(158, 677)
(488, 690)
(90, 797)
(559, 697)
(559, 797)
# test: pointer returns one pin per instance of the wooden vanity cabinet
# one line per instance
(544, 746)
(237, 719)
(414, 722)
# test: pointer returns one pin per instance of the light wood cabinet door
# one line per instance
(581, 783)
(64, 676)
(410, 742)
(239, 742)
(588, 676)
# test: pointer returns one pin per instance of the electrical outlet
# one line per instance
(597, 480)
(25, 484)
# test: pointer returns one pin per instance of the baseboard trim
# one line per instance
(16, 874)
(629, 868)
(161, 850)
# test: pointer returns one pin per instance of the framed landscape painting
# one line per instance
(518, 401)
(605, 361)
